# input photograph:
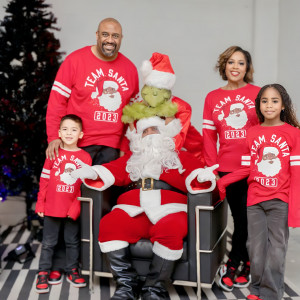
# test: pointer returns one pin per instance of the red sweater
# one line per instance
(96, 91)
(58, 192)
(227, 115)
(272, 162)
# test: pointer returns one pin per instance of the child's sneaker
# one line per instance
(227, 278)
(253, 297)
(244, 278)
(55, 277)
(42, 283)
(75, 278)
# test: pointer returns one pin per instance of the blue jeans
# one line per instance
(50, 238)
(268, 235)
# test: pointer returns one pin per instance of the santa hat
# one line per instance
(224, 113)
(110, 83)
(158, 72)
(145, 123)
(70, 166)
(170, 130)
(272, 150)
(236, 105)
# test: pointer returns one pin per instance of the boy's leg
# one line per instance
(272, 284)
(50, 236)
(257, 244)
(72, 242)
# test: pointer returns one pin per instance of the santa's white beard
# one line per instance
(110, 103)
(269, 169)
(67, 179)
(237, 122)
(151, 155)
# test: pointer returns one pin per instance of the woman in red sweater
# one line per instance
(228, 113)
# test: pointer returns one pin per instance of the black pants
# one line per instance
(50, 238)
(236, 195)
(100, 155)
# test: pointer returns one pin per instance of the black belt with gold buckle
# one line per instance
(148, 184)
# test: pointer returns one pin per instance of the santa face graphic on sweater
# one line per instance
(270, 164)
(237, 117)
(110, 98)
(66, 175)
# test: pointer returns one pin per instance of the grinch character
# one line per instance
(157, 100)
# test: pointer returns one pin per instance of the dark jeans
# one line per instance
(267, 245)
(101, 154)
(50, 237)
(236, 195)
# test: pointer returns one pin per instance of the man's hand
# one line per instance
(52, 150)
(207, 174)
(41, 214)
(85, 172)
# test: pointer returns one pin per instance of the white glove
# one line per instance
(207, 174)
(85, 172)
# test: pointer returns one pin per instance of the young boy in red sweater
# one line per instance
(57, 203)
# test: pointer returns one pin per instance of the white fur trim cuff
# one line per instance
(191, 177)
(106, 176)
(112, 246)
(166, 253)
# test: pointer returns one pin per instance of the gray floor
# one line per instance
(13, 210)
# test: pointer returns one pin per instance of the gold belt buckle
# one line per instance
(143, 184)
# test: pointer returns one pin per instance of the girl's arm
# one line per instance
(294, 200)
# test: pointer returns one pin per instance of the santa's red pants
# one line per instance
(168, 231)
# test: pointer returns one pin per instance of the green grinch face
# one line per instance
(154, 96)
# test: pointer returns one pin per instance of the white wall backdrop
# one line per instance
(193, 33)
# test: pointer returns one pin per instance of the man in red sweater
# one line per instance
(94, 83)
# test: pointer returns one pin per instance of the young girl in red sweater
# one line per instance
(272, 165)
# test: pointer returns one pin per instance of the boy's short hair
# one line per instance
(72, 117)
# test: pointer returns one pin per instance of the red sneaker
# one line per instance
(244, 278)
(226, 280)
(55, 277)
(253, 297)
(75, 278)
(42, 283)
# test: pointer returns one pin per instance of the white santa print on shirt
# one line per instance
(237, 117)
(270, 164)
(66, 175)
(110, 98)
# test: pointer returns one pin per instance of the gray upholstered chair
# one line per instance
(204, 246)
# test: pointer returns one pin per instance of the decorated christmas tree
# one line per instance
(29, 60)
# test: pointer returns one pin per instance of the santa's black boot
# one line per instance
(124, 274)
(159, 275)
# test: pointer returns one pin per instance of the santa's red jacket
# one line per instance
(156, 203)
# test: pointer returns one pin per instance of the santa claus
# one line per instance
(154, 206)
(270, 164)
(237, 117)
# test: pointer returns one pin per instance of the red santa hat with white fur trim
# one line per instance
(158, 72)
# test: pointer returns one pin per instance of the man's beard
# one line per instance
(109, 54)
(237, 122)
(67, 179)
(269, 169)
(151, 155)
(109, 103)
